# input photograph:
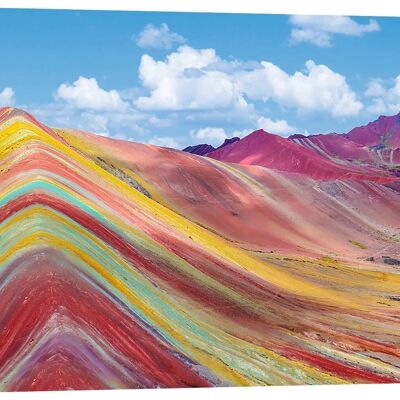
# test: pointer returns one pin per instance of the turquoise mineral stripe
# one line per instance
(144, 245)
(230, 354)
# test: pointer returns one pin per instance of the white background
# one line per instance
(315, 7)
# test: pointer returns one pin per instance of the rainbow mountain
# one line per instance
(126, 265)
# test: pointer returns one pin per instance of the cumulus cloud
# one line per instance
(375, 88)
(278, 127)
(192, 79)
(216, 136)
(159, 37)
(242, 132)
(385, 97)
(87, 106)
(187, 80)
(86, 94)
(122, 124)
(7, 97)
(316, 89)
(319, 30)
(210, 135)
(86, 121)
(164, 141)
(202, 92)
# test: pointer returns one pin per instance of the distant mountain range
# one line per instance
(369, 152)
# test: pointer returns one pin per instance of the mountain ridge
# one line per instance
(375, 146)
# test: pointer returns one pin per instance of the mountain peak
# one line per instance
(258, 134)
(199, 149)
(385, 117)
(8, 112)
(385, 130)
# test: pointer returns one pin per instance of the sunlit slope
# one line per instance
(111, 278)
(254, 207)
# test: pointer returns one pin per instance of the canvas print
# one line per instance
(198, 200)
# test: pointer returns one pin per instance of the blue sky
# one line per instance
(177, 79)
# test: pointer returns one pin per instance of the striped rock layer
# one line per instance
(125, 265)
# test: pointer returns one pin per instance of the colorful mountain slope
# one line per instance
(129, 266)
(232, 199)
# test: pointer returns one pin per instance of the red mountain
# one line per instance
(383, 131)
(272, 151)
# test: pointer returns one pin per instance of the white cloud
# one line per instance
(216, 136)
(191, 79)
(95, 123)
(210, 135)
(158, 37)
(86, 121)
(7, 97)
(197, 88)
(278, 127)
(187, 81)
(375, 88)
(317, 89)
(126, 124)
(318, 30)
(164, 141)
(384, 98)
(157, 122)
(86, 106)
(86, 94)
(241, 133)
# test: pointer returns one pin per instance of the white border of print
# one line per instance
(333, 392)
(305, 7)
(311, 7)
